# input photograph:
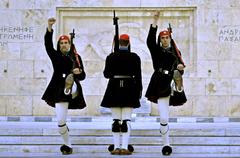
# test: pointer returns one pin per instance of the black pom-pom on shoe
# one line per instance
(66, 150)
(166, 150)
(111, 148)
(130, 148)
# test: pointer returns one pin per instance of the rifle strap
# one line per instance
(76, 55)
(177, 51)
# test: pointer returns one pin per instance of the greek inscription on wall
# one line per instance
(15, 34)
(229, 34)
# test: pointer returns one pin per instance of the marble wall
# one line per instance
(207, 33)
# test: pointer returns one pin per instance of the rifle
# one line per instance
(174, 45)
(116, 36)
(74, 52)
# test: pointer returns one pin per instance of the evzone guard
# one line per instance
(64, 90)
(168, 65)
(124, 90)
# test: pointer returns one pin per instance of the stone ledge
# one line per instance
(108, 118)
(100, 151)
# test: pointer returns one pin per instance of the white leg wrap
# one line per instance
(163, 104)
(62, 129)
(164, 130)
(126, 136)
(116, 139)
(116, 114)
(126, 115)
(61, 113)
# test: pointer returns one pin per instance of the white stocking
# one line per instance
(126, 115)
(116, 114)
(163, 105)
(61, 113)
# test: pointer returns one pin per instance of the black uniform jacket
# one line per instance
(163, 60)
(123, 92)
(62, 66)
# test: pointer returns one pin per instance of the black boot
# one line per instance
(166, 150)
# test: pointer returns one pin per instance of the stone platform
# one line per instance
(189, 137)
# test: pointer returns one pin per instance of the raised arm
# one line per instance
(151, 39)
(48, 38)
(155, 19)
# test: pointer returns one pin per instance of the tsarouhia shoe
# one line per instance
(68, 84)
(178, 80)
(116, 151)
(125, 152)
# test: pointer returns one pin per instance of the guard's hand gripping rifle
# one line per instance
(74, 53)
(116, 36)
(174, 45)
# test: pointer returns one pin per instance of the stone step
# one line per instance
(107, 155)
(104, 129)
(104, 149)
(135, 118)
(134, 132)
(136, 140)
(94, 137)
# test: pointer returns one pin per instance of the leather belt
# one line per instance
(122, 76)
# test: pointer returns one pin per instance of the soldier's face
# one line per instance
(165, 40)
(64, 46)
